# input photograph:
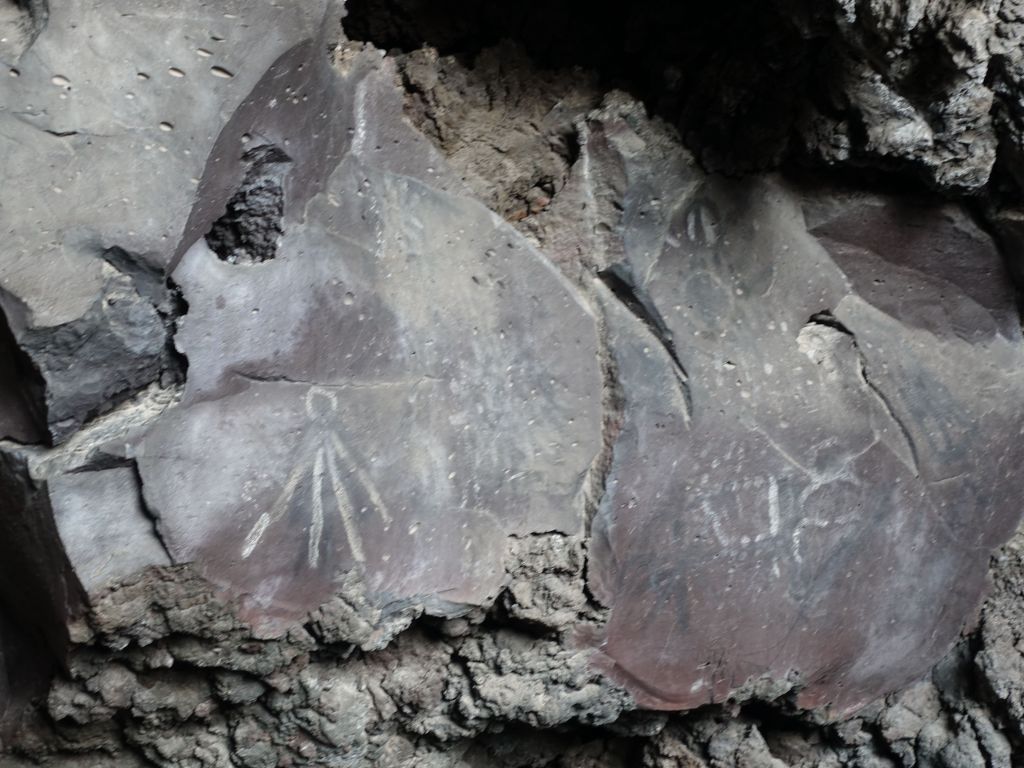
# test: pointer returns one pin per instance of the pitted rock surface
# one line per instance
(794, 477)
(101, 83)
(374, 397)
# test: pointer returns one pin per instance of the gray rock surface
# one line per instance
(155, 85)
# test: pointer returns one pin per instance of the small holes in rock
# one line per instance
(249, 230)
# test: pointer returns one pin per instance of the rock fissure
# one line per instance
(611, 425)
(647, 314)
(828, 320)
(149, 513)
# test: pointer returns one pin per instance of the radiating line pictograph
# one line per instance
(333, 475)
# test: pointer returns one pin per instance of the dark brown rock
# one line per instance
(404, 385)
(818, 438)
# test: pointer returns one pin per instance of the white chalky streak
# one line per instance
(367, 483)
(276, 511)
(255, 535)
(723, 540)
(346, 511)
(316, 527)
(773, 507)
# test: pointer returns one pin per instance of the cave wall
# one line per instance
(464, 384)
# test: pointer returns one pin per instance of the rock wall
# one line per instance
(468, 385)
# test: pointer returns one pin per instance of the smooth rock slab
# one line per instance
(821, 452)
(818, 439)
(400, 387)
(405, 384)
(104, 134)
(104, 529)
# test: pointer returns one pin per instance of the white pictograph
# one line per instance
(328, 468)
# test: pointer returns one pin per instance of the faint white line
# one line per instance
(345, 510)
(316, 528)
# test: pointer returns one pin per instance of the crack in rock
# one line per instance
(827, 319)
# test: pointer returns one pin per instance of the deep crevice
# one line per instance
(647, 313)
(249, 230)
(732, 73)
(22, 392)
(613, 406)
(751, 86)
(166, 297)
(176, 371)
(826, 318)
(154, 519)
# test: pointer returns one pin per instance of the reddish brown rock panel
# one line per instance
(402, 386)
(818, 503)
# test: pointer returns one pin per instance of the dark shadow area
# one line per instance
(25, 671)
(161, 291)
(21, 22)
(22, 393)
(39, 593)
(248, 232)
(624, 289)
(736, 74)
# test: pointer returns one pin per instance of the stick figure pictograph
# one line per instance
(330, 470)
